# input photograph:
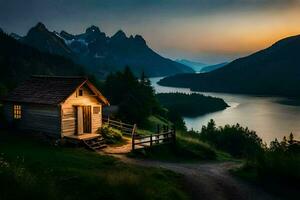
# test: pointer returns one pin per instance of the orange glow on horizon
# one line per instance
(234, 33)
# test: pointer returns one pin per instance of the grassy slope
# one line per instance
(31, 169)
(188, 146)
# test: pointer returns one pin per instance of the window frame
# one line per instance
(17, 111)
(80, 92)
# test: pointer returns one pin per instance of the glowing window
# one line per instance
(17, 112)
(96, 110)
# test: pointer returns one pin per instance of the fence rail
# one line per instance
(164, 135)
(126, 129)
(153, 139)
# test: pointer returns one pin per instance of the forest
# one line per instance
(191, 105)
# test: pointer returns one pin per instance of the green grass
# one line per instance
(32, 169)
(151, 125)
(186, 149)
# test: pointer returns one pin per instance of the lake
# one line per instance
(265, 115)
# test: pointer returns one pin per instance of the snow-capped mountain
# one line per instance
(100, 53)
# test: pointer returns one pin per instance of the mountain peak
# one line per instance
(40, 26)
(66, 35)
(119, 34)
(93, 29)
(139, 39)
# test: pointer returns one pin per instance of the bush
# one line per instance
(277, 169)
(3, 90)
(281, 161)
(111, 135)
(238, 141)
(3, 121)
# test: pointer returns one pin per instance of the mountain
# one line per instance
(46, 41)
(19, 61)
(101, 54)
(272, 71)
(15, 36)
(197, 66)
(210, 68)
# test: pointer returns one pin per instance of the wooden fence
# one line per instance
(164, 135)
(142, 141)
(126, 129)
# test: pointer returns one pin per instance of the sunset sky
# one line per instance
(202, 30)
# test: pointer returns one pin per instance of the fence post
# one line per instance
(108, 121)
(132, 138)
(158, 128)
(174, 136)
(133, 129)
(151, 140)
(121, 126)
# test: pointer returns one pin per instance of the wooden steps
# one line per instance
(95, 144)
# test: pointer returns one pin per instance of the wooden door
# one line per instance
(79, 120)
(87, 119)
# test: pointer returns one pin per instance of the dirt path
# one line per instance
(208, 181)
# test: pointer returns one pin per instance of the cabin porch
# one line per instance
(87, 136)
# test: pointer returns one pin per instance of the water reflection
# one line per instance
(263, 114)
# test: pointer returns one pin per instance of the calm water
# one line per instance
(263, 114)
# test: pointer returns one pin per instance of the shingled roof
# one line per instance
(51, 90)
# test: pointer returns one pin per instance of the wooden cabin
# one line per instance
(57, 106)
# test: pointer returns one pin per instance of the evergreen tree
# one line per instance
(291, 139)
(136, 99)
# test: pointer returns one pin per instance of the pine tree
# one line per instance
(291, 139)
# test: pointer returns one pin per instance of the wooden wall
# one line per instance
(69, 113)
(57, 121)
(35, 117)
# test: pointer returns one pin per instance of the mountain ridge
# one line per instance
(210, 68)
(197, 66)
(101, 54)
(19, 61)
(271, 71)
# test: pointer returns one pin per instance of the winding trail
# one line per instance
(203, 181)
(207, 181)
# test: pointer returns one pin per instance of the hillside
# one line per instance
(210, 68)
(19, 61)
(272, 71)
(38, 170)
(101, 54)
(197, 66)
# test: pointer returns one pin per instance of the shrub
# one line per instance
(281, 161)
(111, 135)
(234, 139)
(3, 121)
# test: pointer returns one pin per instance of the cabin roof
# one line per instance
(52, 90)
